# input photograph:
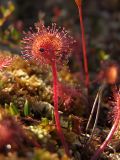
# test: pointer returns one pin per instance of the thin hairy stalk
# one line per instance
(112, 131)
(56, 113)
(84, 47)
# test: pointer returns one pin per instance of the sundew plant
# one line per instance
(59, 80)
(50, 46)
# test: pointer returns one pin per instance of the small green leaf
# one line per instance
(44, 121)
(13, 109)
(70, 123)
(103, 55)
(1, 84)
(15, 34)
(26, 108)
(2, 9)
(11, 7)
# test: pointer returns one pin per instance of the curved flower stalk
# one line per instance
(114, 127)
(49, 46)
(79, 5)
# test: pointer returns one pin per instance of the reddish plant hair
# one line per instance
(5, 61)
(116, 122)
(47, 44)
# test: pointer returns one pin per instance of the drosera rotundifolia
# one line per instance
(116, 121)
(108, 76)
(5, 61)
(49, 46)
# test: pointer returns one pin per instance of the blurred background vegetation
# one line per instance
(24, 84)
(101, 21)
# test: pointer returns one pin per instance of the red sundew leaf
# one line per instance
(67, 93)
(115, 103)
(12, 133)
(5, 61)
(47, 44)
(116, 95)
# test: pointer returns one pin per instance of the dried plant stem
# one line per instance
(97, 100)
(112, 131)
(56, 113)
(98, 109)
(92, 111)
(97, 115)
(84, 47)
